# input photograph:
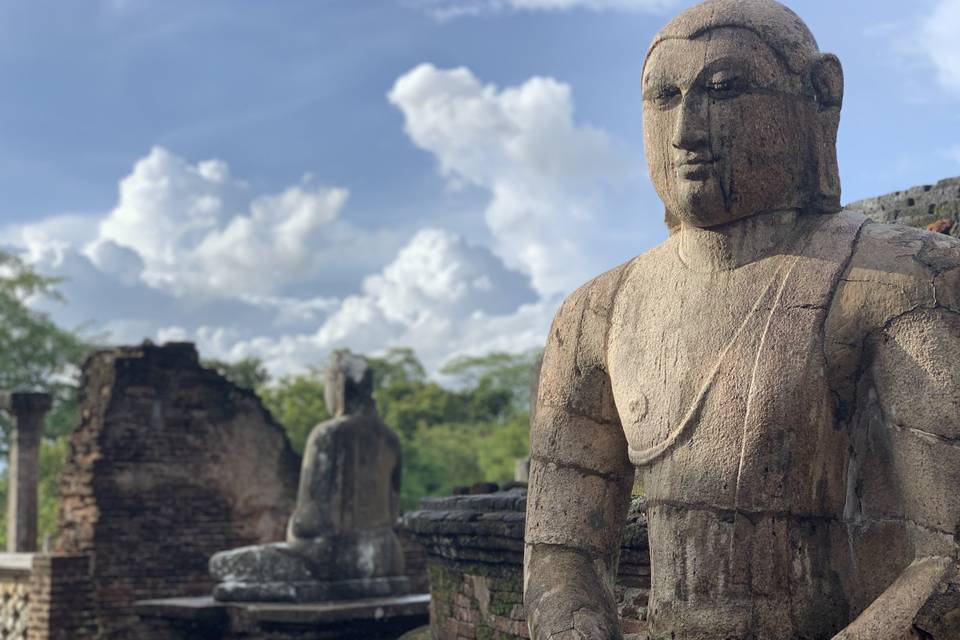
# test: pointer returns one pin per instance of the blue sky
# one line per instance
(282, 178)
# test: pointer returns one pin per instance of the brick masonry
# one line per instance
(474, 550)
(169, 464)
(61, 599)
(917, 206)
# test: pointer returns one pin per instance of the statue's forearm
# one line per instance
(897, 613)
(580, 483)
(567, 597)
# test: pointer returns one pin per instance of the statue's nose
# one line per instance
(690, 129)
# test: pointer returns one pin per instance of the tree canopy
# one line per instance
(471, 430)
(37, 355)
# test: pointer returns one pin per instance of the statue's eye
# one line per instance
(724, 86)
(667, 96)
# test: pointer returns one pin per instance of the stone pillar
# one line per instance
(28, 411)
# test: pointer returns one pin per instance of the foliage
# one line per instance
(249, 373)
(53, 455)
(297, 403)
(37, 355)
(471, 430)
(500, 374)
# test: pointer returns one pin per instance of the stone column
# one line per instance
(28, 411)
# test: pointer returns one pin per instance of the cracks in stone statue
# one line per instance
(783, 375)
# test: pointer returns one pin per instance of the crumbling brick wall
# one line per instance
(919, 206)
(474, 550)
(170, 463)
(61, 599)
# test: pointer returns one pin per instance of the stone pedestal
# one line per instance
(363, 619)
(28, 410)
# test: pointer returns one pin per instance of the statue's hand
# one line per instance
(553, 618)
(590, 625)
(587, 625)
(926, 593)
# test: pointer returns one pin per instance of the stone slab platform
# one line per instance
(204, 617)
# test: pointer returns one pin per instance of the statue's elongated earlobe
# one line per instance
(826, 75)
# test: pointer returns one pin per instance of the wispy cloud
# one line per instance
(450, 9)
(938, 39)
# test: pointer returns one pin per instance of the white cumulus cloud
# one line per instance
(198, 231)
(544, 172)
(189, 252)
(441, 295)
(938, 40)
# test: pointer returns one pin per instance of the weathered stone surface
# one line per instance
(341, 541)
(170, 463)
(28, 411)
(361, 619)
(62, 604)
(784, 375)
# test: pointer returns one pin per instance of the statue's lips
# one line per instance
(695, 168)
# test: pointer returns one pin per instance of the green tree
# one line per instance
(297, 403)
(472, 430)
(497, 384)
(249, 373)
(37, 355)
(456, 436)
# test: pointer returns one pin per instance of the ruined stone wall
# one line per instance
(917, 206)
(169, 464)
(475, 564)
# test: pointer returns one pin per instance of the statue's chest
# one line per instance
(668, 336)
(706, 391)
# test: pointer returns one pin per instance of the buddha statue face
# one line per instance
(737, 124)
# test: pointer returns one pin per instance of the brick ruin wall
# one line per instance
(61, 599)
(169, 464)
(917, 206)
(45, 597)
(475, 565)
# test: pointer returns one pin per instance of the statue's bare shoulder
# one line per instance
(897, 276)
(574, 374)
(894, 270)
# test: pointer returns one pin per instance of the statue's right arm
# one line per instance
(580, 479)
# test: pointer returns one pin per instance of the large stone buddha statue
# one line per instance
(782, 376)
